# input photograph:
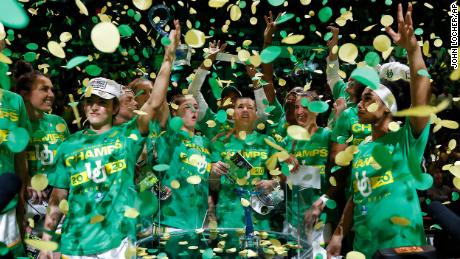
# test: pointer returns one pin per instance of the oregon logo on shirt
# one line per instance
(377, 181)
(97, 172)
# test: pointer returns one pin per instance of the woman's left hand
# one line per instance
(266, 185)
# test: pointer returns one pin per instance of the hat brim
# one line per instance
(230, 89)
(101, 94)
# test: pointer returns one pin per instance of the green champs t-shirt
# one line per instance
(348, 125)
(189, 160)
(98, 171)
(387, 209)
(47, 134)
(12, 115)
(229, 210)
(314, 152)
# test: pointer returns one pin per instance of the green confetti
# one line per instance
(328, 36)
(125, 30)
(93, 70)
(165, 41)
(388, 2)
(3, 249)
(32, 46)
(17, 139)
(208, 254)
(131, 12)
(13, 14)
(427, 201)
(176, 123)
(221, 116)
(30, 56)
(331, 204)
(372, 59)
(455, 196)
(318, 106)
(312, 27)
(366, 76)
(146, 203)
(137, 17)
(325, 14)
(284, 18)
(423, 72)
(304, 102)
(269, 54)
(75, 61)
(276, 2)
(161, 167)
(418, 31)
(335, 168)
(283, 34)
(242, 4)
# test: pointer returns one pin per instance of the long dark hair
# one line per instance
(24, 76)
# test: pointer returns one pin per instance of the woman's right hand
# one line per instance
(334, 246)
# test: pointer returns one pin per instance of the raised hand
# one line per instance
(215, 48)
(270, 27)
(405, 36)
(174, 37)
(335, 37)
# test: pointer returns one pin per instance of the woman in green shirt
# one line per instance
(384, 208)
(190, 163)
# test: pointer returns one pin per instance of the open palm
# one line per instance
(405, 36)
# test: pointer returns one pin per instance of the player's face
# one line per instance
(98, 111)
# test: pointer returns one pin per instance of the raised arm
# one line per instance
(200, 75)
(332, 69)
(420, 86)
(160, 88)
(267, 69)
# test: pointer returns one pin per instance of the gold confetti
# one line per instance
(382, 43)
(386, 20)
(437, 43)
(355, 255)
(293, 39)
(105, 37)
(243, 55)
(65, 36)
(455, 75)
(281, 82)
(456, 182)
(231, 250)
(428, 5)
(207, 63)
(96, 219)
(426, 49)
(298, 133)
(81, 7)
(393, 126)
(235, 13)
(175, 184)
(373, 107)
(131, 213)
(400, 221)
(42, 245)
(368, 28)
(39, 182)
(211, 123)
(217, 3)
(183, 243)
(194, 179)
(195, 38)
(332, 181)
(253, 21)
(260, 126)
(55, 49)
(452, 144)
(343, 158)
(5, 59)
(63, 206)
(142, 4)
(348, 53)
(61, 127)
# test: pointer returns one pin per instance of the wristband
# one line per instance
(324, 198)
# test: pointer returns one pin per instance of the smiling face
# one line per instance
(369, 97)
(41, 96)
(99, 111)
(188, 110)
(245, 112)
(302, 114)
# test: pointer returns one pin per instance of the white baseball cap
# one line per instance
(104, 88)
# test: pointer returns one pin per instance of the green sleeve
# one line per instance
(66, 132)
(24, 121)
(415, 145)
(136, 140)
(278, 111)
(57, 174)
(341, 131)
(338, 91)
